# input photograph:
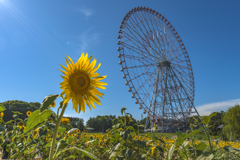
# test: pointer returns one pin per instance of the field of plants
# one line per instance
(124, 143)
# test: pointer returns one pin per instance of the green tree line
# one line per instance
(230, 119)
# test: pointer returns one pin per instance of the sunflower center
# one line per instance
(79, 82)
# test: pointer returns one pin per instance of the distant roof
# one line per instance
(220, 126)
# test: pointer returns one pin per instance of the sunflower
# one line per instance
(29, 113)
(35, 133)
(53, 104)
(129, 117)
(152, 151)
(1, 114)
(50, 119)
(78, 131)
(65, 121)
(80, 83)
(20, 124)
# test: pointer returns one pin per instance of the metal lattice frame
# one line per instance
(156, 67)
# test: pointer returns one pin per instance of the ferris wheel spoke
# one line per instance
(145, 34)
(137, 50)
(130, 29)
(150, 37)
(141, 75)
(168, 82)
(143, 83)
(154, 31)
(179, 66)
(142, 66)
(143, 45)
(177, 55)
(180, 83)
(178, 98)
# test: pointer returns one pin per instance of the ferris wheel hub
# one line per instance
(164, 63)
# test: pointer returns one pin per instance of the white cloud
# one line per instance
(87, 39)
(66, 115)
(87, 12)
(207, 109)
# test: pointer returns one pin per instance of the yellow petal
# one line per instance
(99, 78)
(94, 75)
(64, 67)
(95, 69)
(73, 64)
(99, 86)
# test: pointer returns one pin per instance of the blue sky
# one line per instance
(35, 36)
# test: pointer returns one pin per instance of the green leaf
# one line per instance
(2, 108)
(15, 116)
(121, 121)
(36, 117)
(16, 112)
(90, 155)
(210, 157)
(206, 119)
(83, 140)
(194, 132)
(213, 114)
(170, 152)
(72, 130)
(2, 128)
(231, 149)
(42, 132)
(123, 109)
(201, 146)
(9, 128)
(185, 143)
(129, 153)
(48, 101)
(91, 141)
(61, 145)
(49, 144)
(139, 144)
(150, 134)
(131, 128)
(125, 134)
(61, 129)
(70, 138)
(117, 125)
(180, 138)
(72, 156)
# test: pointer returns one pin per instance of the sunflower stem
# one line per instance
(58, 112)
(56, 131)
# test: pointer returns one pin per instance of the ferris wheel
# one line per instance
(157, 68)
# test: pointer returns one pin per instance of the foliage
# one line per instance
(215, 122)
(231, 119)
(101, 123)
(124, 143)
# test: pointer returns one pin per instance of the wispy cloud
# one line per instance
(207, 109)
(86, 12)
(87, 39)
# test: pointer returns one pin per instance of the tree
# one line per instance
(216, 121)
(231, 119)
(20, 106)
